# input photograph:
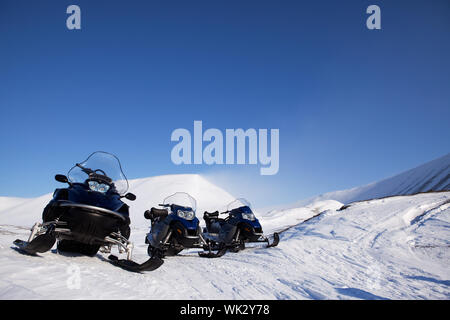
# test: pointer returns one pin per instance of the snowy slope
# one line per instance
(431, 176)
(394, 248)
(10, 202)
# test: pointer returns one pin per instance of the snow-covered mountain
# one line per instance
(431, 176)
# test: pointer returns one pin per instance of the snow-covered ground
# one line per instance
(394, 248)
(390, 248)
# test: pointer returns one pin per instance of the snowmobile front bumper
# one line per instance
(89, 224)
(44, 235)
(89, 208)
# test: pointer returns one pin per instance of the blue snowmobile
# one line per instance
(89, 214)
(238, 228)
(175, 228)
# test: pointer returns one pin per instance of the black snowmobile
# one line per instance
(238, 228)
(89, 214)
(175, 228)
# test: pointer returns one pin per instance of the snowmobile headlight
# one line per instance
(98, 187)
(188, 215)
(102, 187)
(248, 216)
(93, 185)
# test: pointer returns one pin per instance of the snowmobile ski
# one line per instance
(210, 254)
(274, 243)
(150, 265)
(276, 240)
(41, 243)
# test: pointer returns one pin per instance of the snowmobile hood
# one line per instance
(191, 224)
(79, 194)
(188, 224)
(255, 223)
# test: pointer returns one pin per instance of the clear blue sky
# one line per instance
(352, 105)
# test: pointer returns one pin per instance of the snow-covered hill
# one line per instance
(431, 176)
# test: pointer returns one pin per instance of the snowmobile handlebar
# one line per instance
(154, 213)
(85, 170)
(93, 173)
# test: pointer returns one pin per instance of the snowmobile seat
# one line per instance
(210, 215)
(155, 213)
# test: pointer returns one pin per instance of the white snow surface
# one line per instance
(391, 248)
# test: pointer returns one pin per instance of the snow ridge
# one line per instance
(431, 176)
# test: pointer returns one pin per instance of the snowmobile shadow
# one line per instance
(184, 256)
(102, 258)
(257, 249)
(98, 256)
(73, 254)
(190, 253)
(18, 250)
(187, 254)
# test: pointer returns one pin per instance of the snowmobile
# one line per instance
(175, 228)
(89, 214)
(238, 228)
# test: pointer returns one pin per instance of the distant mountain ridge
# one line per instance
(430, 176)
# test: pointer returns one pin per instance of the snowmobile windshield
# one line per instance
(243, 207)
(240, 203)
(182, 201)
(102, 171)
